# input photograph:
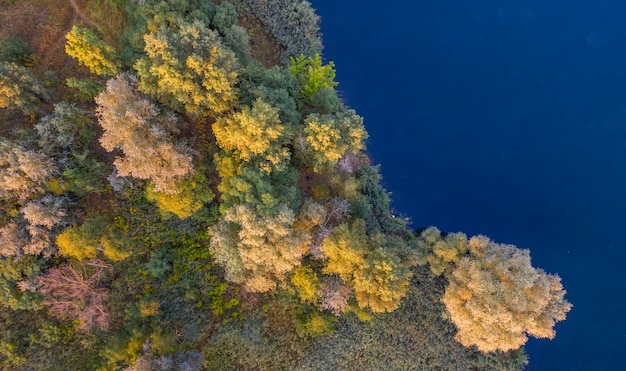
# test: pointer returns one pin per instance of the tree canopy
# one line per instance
(140, 130)
(189, 69)
(496, 298)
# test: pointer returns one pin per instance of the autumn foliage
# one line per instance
(496, 298)
(141, 131)
(258, 250)
(92, 52)
(77, 293)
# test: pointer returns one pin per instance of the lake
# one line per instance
(504, 118)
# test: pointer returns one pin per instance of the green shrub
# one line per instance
(293, 23)
(87, 88)
(16, 50)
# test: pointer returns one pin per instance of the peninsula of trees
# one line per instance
(183, 188)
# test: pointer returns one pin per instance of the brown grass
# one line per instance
(43, 23)
(109, 20)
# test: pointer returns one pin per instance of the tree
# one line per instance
(345, 249)
(76, 243)
(94, 235)
(19, 88)
(334, 294)
(84, 173)
(244, 183)
(77, 294)
(332, 137)
(496, 298)
(47, 212)
(368, 265)
(136, 126)
(311, 75)
(16, 50)
(68, 128)
(189, 69)
(254, 133)
(12, 239)
(441, 252)
(191, 195)
(382, 282)
(87, 88)
(306, 283)
(293, 24)
(23, 172)
(92, 52)
(258, 250)
(225, 16)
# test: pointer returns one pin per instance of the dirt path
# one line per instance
(59, 42)
(81, 15)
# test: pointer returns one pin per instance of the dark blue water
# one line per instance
(504, 118)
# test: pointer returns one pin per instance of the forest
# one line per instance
(183, 187)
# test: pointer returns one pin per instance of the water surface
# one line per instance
(504, 118)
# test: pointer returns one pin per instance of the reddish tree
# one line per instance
(77, 294)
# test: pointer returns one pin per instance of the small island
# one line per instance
(183, 188)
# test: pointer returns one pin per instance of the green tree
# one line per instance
(496, 298)
(244, 183)
(19, 88)
(68, 128)
(225, 16)
(329, 138)
(134, 125)
(15, 275)
(84, 174)
(258, 250)
(92, 52)
(87, 89)
(16, 50)
(189, 69)
(312, 75)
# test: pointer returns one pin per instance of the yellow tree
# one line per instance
(191, 195)
(345, 248)
(189, 69)
(328, 138)
(254, 133)
(382, 282)
(92, 52)
(496, 298)
(375, 272)
(94, 235)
